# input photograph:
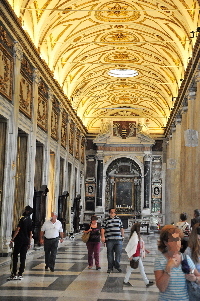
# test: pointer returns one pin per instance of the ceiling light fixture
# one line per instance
(123, 73)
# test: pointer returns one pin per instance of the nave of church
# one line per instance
(99, 109)
(73, 281)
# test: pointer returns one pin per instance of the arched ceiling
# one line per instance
(82, 40)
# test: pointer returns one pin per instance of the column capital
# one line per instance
(178, 118)
(18, 52)
(50, 94)
(192, 93)
(100, 156)
(147, 157)
(36, 76)
(197, 76)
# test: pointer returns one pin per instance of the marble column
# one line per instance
(57, 161)
(11, 153)
(32, 141)
(47, 161)
(99, 178)
(147, 181)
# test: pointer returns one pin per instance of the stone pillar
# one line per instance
(11, 153)
(32, 141)
(99, 178)
(46, 161)
(147, 181)
(112, 185)
(57, 162)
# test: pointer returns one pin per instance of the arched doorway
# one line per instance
(123, 185)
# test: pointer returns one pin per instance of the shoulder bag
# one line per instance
(193, 287)
(134, 263)
(85, 237)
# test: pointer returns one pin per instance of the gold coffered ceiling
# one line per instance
(82, 41)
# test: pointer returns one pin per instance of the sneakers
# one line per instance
(127, 284)
(11, 277)
(46, 268)
(109, 271)
(150, 284)
(90, 267)
(119, 270)
(15, 277)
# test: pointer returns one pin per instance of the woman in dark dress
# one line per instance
(93, 244)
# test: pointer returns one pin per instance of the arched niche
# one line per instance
(123, 183)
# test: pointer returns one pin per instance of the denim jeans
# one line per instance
(114, 250)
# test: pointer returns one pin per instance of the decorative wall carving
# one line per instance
(71, 139)
(25, 96)
(124, 129)
(5, 40)
(77, 145)
(6, 73)
(42, 112)
(6, 63)
(82, 155)
(26, 86)
(54, 118)
(64, 129)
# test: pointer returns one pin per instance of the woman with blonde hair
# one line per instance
(170, 278)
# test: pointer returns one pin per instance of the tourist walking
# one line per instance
(112, 234)
(22, 242)
(49, 236)
(136, 251)
(93, 244)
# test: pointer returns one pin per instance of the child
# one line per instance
(135, 250)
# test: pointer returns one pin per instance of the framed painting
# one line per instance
(156, 191)
(90, 190)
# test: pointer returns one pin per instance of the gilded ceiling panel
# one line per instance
(83, 40)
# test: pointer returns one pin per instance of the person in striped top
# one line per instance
(112, 234)
(170, 279)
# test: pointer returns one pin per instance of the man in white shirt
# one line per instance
(49, 236)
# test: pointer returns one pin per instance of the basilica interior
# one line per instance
(99, 108)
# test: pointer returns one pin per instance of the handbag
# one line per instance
(85, 237)
(134, 263)
(192, 287)
(193, 290)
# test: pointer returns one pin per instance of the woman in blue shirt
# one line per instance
(170, 279)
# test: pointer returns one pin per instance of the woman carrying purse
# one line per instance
(93, 243)
(136, 250)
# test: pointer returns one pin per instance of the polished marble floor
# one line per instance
(72, 281)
